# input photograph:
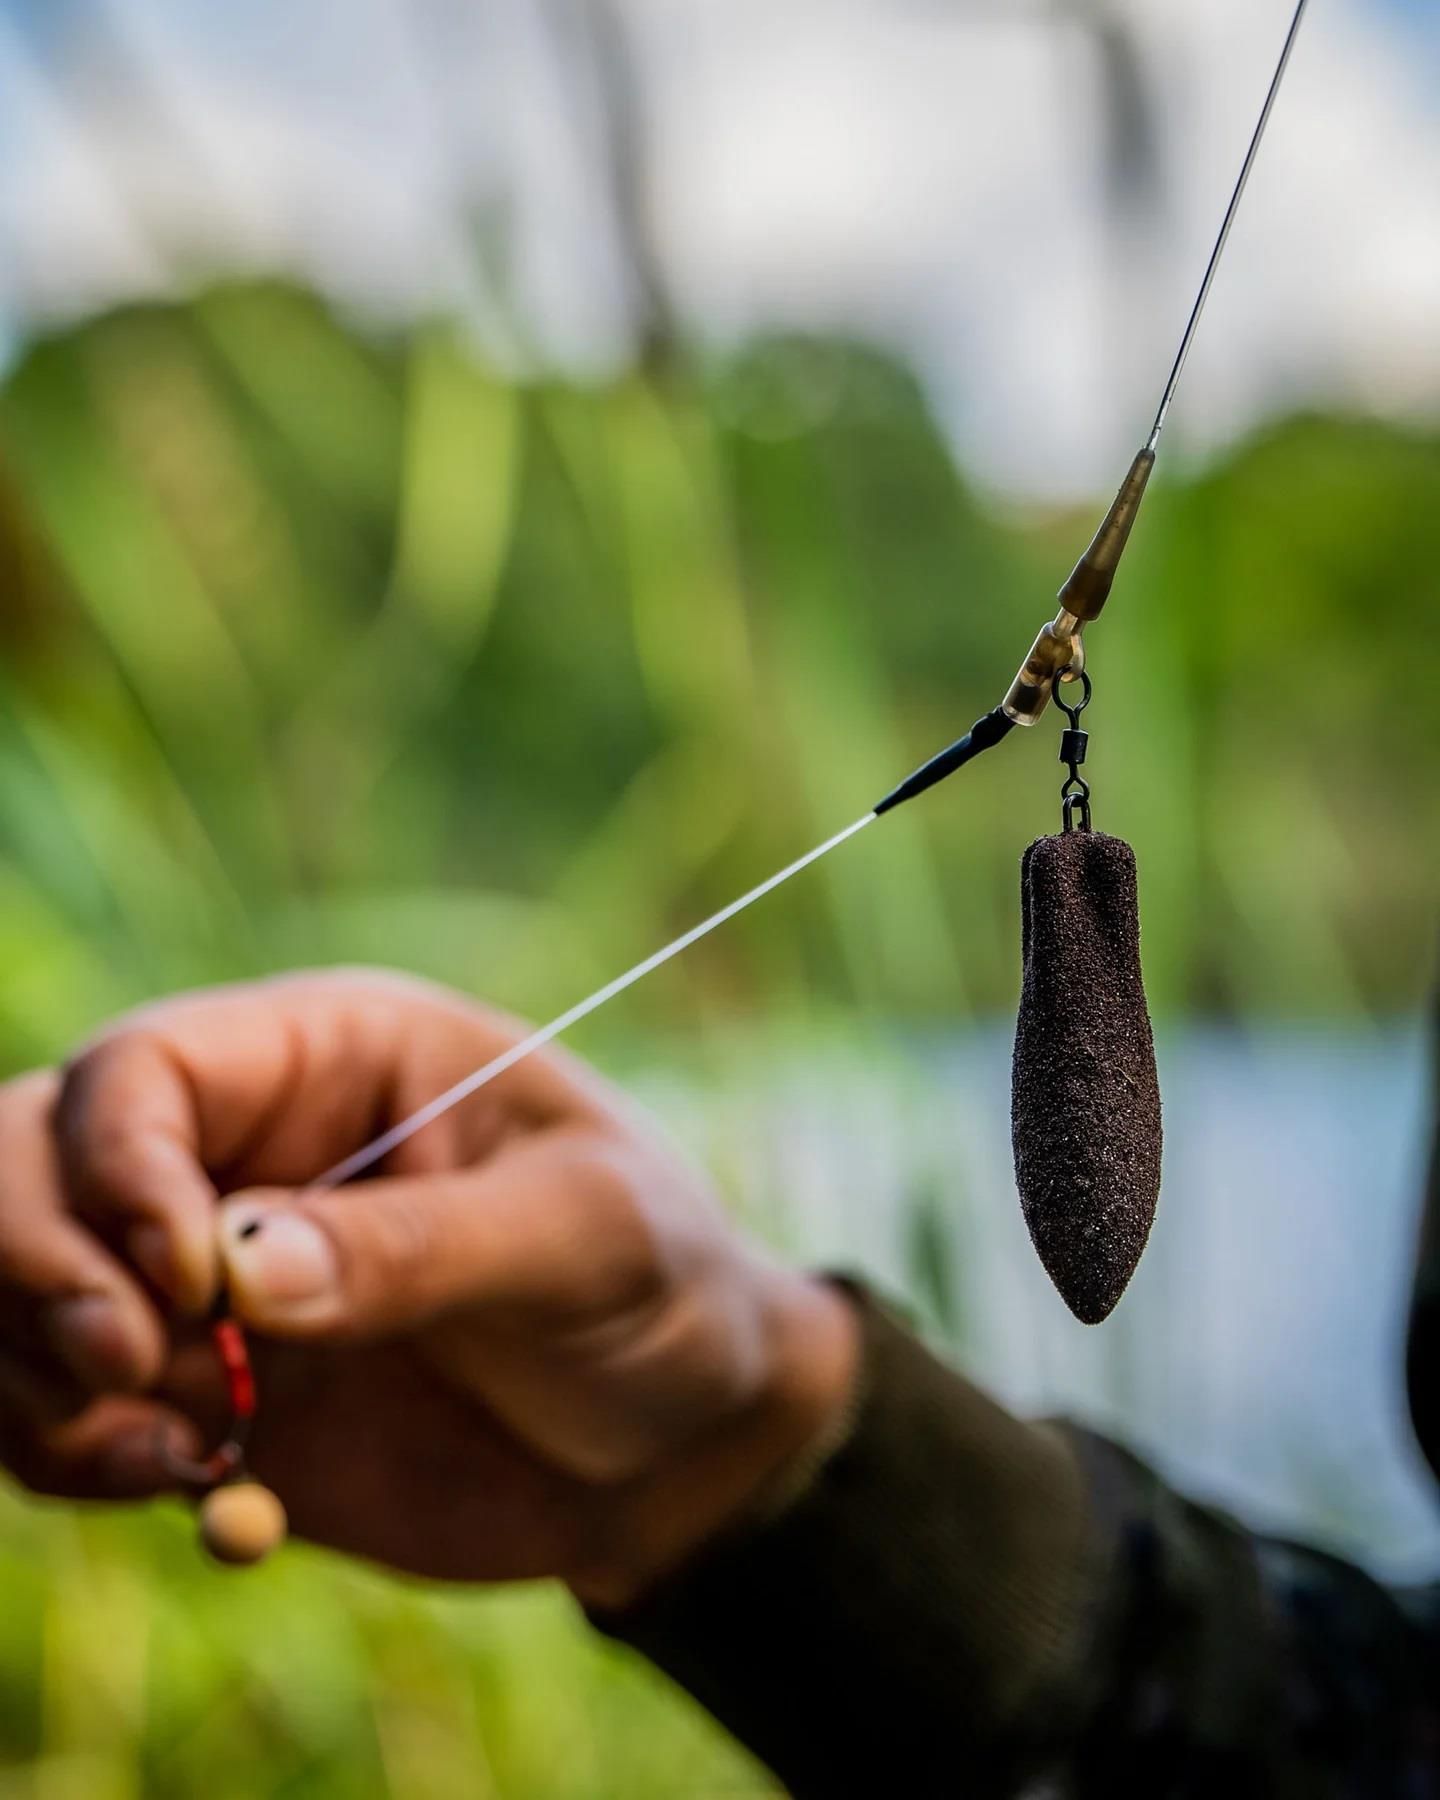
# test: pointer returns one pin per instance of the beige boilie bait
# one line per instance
(241, 1522)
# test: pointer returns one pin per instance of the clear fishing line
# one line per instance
(369, 1154)
(1183, 353)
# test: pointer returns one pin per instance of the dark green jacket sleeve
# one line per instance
(959, 1603)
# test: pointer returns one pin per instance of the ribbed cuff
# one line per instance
(909, 1621)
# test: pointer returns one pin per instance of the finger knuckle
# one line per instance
(404, 1242)
(98, 1137)
(108, 1160)
(82, 1078)
(383, 1259)
(82, 1071)
(628, 1263)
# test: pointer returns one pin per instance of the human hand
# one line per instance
(533, 1346)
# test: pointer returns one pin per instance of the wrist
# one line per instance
(804, 1409)
(749, 1465)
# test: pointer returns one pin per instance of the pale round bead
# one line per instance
(241, 1522)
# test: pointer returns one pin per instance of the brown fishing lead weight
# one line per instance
(1085, 1098)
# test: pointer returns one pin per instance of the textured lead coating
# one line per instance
(1085, 1100)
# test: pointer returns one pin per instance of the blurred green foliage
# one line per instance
(317, 647)
(322, 648)
(129, 1670)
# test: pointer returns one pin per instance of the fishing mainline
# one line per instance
(1183, 353)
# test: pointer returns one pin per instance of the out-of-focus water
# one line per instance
(1257, 1355)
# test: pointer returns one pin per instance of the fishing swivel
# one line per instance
(1075, 790)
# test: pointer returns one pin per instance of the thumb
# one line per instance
(393, 1255)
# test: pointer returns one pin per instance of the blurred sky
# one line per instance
(1020, 194)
